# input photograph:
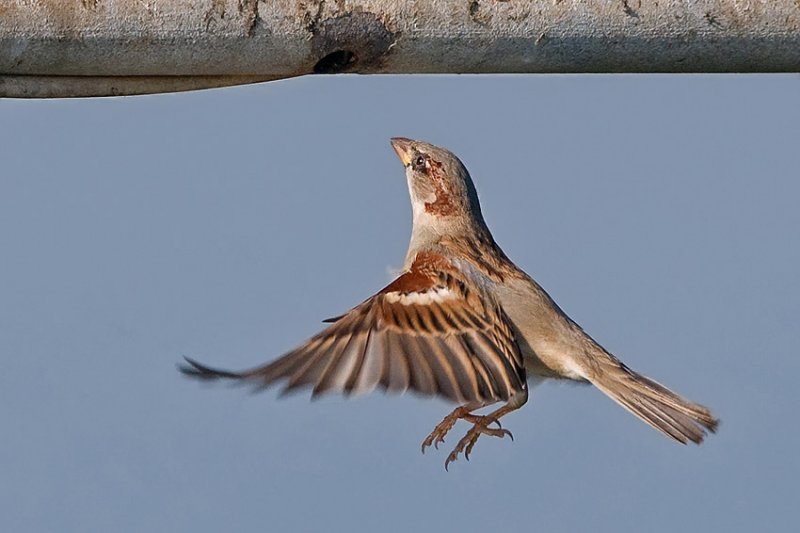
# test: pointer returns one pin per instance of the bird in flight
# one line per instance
(464, 323)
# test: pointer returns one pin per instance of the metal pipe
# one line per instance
(61, 48)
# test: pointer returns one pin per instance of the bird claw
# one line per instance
(480, 426)
(433, 439)
(437, 435)
(467, 443)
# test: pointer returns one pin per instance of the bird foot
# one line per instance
(480, 427)
(443, 428)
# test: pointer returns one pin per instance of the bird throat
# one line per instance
(442, 204)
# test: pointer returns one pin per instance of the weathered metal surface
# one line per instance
(151, 45)
(82, 86)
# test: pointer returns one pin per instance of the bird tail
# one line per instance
(666, 411)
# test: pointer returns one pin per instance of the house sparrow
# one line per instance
(464, 323)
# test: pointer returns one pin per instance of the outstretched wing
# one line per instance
(431, 331)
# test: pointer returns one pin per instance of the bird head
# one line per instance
(442, 194)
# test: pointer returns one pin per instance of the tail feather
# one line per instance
(674, 416)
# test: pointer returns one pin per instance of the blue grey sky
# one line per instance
(661, 212)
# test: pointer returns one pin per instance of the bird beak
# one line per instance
(402, 146)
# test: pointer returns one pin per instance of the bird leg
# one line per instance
(480, 426)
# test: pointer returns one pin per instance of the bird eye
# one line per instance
(419, 163)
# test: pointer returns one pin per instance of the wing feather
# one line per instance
(457, 359)
(423, 379)
(434, 331)
(371, 370)
(341, 365)
(397, 373)
(316, 362)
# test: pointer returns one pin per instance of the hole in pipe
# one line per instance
(337, 61)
